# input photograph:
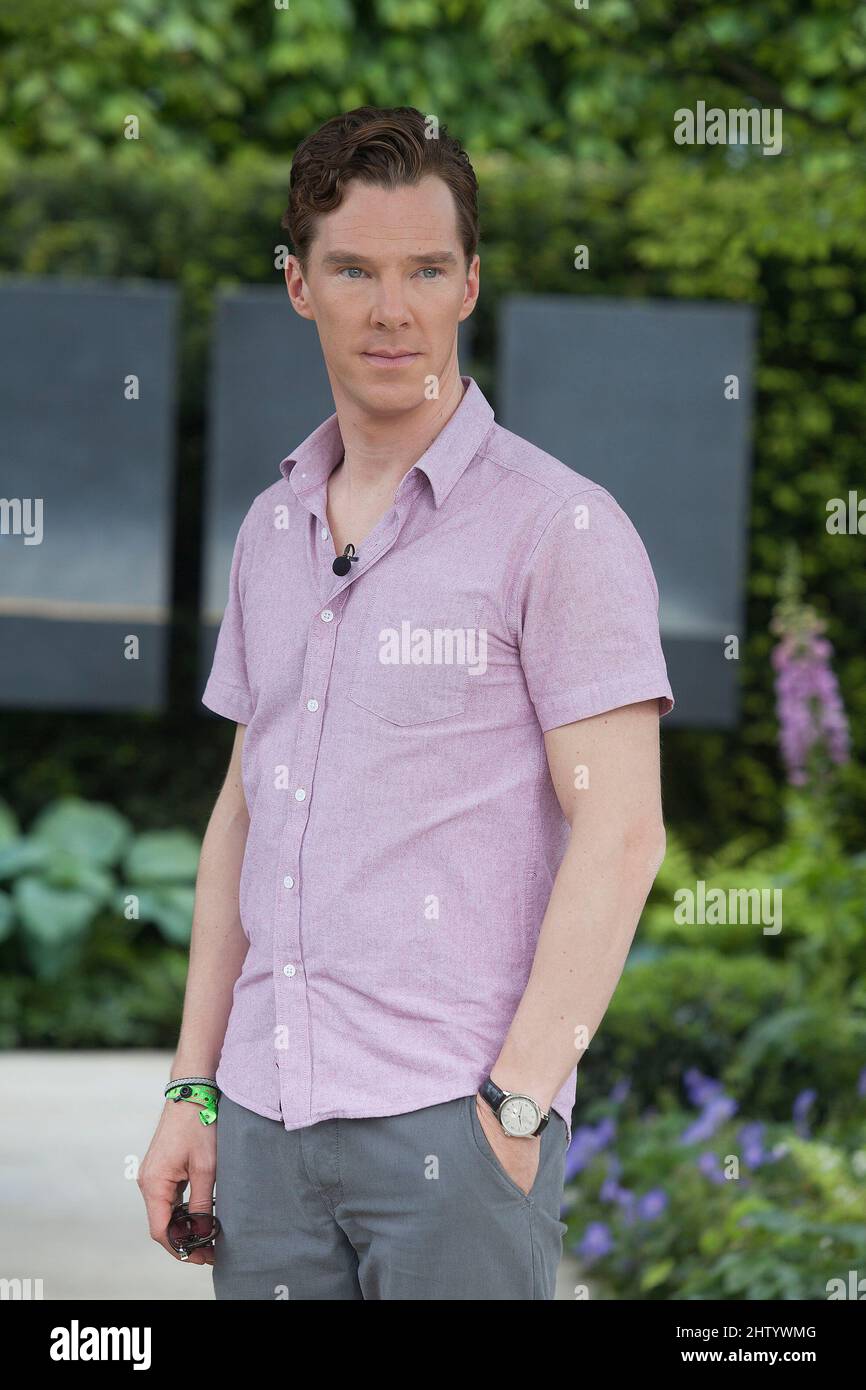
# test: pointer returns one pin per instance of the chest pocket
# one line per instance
(413, 659)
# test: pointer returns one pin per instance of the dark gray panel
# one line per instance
(101, 465)
(58, 664)
(632, 396)
(269, 390)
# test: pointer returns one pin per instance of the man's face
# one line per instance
(387, 275)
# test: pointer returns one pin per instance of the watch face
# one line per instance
(519, 1115)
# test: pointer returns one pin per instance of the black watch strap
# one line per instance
(494, 1095)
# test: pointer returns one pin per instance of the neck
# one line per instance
(380, 449)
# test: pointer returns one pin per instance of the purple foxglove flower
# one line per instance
(812, 722)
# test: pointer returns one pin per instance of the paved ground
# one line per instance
(75, 1126)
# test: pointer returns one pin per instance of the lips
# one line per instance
(390, 352)
(390, 359)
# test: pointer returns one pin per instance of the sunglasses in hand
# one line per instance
(190, 1230)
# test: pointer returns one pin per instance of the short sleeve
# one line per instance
(587, 615)
(227, 691)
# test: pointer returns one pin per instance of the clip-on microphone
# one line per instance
(343, 563)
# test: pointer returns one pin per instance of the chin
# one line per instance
(396, 389)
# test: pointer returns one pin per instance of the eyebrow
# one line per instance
(433, 257)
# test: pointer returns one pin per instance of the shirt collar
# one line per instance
(309, 466)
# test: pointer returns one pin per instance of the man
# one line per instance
(442, 814)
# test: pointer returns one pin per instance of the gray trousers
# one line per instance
(412, 1206)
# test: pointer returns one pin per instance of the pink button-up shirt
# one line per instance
(404, 831)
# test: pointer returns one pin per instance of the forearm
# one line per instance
(218, 944)
(590, 922)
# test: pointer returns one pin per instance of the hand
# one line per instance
(182, 1151)
(519, 1157)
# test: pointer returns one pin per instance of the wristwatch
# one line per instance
(520, 1116)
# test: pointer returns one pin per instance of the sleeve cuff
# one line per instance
(598, 699)
(228, 700)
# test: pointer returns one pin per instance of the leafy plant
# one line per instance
(669, 1203)
(64, 876)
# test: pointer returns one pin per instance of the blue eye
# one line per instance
(437, 272)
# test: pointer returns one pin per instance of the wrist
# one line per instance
(518, 1113)
(521, 1081)
(493, 1128)
(197, 1091)
(185, 1066)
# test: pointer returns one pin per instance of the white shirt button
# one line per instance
(312, 706)
(324, 534)
(300, 794)
(289, 970)
(289, 881)
(326, 616)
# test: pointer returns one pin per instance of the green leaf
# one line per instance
(88, 830)
(9, 829)
(22, 856)
(54, 923)
(7, 916)
(163, 856)
(656, 1274)
(65, 871)
(170, 908)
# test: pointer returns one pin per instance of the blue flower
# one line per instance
(605, 1131)
(719, 1109)
(751, 1141)
(622, 1088)
(652, 1204)
(597, 1240)
(802, 1106)
(580, 1151)
(701, 1089)
(586, 1142)
(709, 1165)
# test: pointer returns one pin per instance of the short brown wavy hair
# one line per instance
(388, 146)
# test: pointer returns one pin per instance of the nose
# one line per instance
(390, 308)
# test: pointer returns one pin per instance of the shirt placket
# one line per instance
(295, 1021)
